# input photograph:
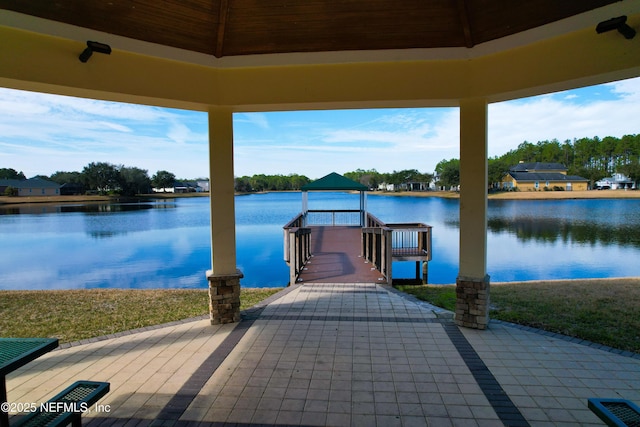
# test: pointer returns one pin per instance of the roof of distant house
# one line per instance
(28, 183)
(545, 176)
(537, 166)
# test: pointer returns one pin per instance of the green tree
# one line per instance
(163, 179)
(497, 169)
(371, 177)
(297, 181)
(448, 173)
(134, 181)
(632, 170)
(103, 177)
(550, 151)
(67, 178)
(259, 182)
(243, 184)
(8, 173)
(10, 191)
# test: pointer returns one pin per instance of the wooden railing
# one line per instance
(297, 246)
(382, 243)
(334, 217)
(376, 248)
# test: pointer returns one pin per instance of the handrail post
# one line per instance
(388, 258)
(286, 245)
(292, 259)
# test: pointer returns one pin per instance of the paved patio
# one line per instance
(338, 355)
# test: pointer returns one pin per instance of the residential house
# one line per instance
(615, 182)
(30, 187)
(185, 187)
(540, 176)
(202, 186)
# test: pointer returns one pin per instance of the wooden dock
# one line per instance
(354, 254)
(348, 245)
(336, 257)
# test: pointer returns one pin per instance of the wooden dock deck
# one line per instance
(337, 257)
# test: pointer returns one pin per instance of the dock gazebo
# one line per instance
(334, 182)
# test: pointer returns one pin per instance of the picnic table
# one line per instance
(15, 353)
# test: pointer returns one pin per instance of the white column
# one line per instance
(223, 278)
(221, 187)
(472, 284)
(473, 189)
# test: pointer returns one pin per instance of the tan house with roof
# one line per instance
(540, 176)
(30, 187)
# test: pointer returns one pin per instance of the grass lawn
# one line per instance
(604, 311)
(79, 314)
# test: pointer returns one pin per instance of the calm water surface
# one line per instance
(165, 243)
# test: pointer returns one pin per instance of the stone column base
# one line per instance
(472, 302)
(224, 297)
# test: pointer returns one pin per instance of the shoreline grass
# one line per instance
(604, 311)
(73, 315)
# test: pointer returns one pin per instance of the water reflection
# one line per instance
(552, 230)
(166, 244)
(90, 208)
(588, 222)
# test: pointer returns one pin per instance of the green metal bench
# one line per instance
(66, 407)
(616, 412)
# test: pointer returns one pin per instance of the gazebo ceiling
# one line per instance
(225, 28)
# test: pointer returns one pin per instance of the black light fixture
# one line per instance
(94, 47)
(620, 24)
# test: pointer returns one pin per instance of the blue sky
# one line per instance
(42, 134)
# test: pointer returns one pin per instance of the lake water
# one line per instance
(165, 243)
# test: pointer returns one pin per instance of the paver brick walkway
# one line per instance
(338, 355)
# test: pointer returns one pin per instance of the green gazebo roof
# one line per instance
(334, 182)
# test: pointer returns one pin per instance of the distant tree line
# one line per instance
(262, 182)
(590, 158)
(372, 178)
(104, 178)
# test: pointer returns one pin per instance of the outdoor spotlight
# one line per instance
(620, 24)
(94, 47)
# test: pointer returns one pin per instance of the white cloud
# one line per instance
(628, 89)
(40, 133)
(557, 117)
(257, 119)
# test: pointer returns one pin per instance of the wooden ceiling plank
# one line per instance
(222, 26)
(463, 13)
(226, 28)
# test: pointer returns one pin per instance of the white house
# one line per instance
(615, 182)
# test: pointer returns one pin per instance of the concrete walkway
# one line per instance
(336, 355)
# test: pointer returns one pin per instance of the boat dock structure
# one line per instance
(350, 245)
